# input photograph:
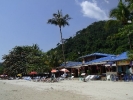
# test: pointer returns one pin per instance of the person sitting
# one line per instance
(64, 75)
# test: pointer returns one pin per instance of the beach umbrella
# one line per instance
(19, 75)
(54, 70)
(64, 70)
(1, 75)
(83, 74)
(33, 73)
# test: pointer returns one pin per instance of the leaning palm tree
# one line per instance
(60, 20)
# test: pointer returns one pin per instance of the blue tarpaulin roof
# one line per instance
(103, 59)
(70, 64)
(122, 56)
(107, 59)
(97, 54)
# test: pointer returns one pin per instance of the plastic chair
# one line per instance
(126, 77)
(108, 78)
(71, 78)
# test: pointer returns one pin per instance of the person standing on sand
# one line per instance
(52, 77)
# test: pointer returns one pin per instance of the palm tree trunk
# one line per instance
(62, 47)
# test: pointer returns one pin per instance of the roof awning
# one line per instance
(76, 67)
(107, 65)
(98, 63)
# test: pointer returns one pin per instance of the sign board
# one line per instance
(123, 62)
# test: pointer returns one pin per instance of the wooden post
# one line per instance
(78, 71)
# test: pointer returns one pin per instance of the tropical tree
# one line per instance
(120, 14)
(124, 15)
(130, 54)
(127, 30)
(130, 8)
(61, 21)
(130, 4)
(23, 59)
(1, 68)
(53, 59)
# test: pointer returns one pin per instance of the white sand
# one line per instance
(65, 90)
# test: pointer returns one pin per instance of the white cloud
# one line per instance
(91, 10)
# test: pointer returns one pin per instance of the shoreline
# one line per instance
(67, 89)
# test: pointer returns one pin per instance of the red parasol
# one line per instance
(64, 70)
(33, 73)
(53, 70)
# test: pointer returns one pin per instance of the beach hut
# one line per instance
(123, 65)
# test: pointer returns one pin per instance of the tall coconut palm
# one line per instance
(61, 21)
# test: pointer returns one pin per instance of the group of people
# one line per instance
(63, 76)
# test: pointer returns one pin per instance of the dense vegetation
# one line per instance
(24, 59)
(95, 38)
(112, 36)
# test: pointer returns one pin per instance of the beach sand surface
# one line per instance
(65, 90)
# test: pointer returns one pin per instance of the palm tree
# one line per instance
(130, 8)
(120, 14)
(130, 4)
(60, 20)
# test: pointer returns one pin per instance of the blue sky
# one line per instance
(24, 22)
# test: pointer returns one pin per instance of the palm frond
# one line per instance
(52, 21)
(121, 13)
(59, 19)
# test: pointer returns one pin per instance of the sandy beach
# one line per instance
(65, 90)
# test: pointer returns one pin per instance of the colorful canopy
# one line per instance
(54, 70)
(33, 73)
(64, 70)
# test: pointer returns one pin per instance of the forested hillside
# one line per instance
(94, 38)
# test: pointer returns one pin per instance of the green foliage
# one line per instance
(59, 20)
(126, 30)
(1, 68)
(53, 59)
(130, 55)
(23, 59)
(121, 13)
(94, 38)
